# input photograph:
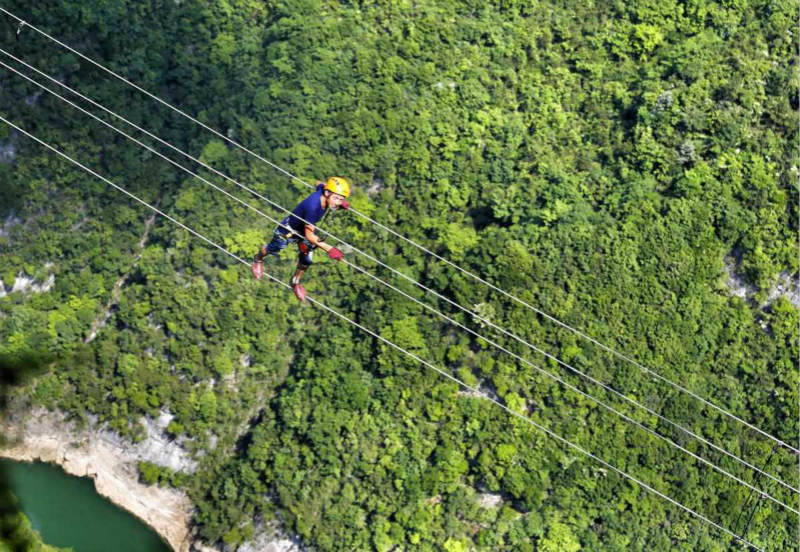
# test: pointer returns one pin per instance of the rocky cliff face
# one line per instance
(101, 455)
(111, 462)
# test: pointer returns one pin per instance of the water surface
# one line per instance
(67, 512)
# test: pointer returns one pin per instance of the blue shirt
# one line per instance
(310, 210)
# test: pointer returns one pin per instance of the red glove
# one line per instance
(345, 205)
(335, 254)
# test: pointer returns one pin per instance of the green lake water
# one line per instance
(67, 512)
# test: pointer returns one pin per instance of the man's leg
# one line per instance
(258, 262)
(279, 242)
(298, 274)
(297, 287)
(304, 260)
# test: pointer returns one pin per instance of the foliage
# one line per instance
(600, 161)
(23, 538)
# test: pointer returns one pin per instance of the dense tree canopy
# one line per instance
(608, 163)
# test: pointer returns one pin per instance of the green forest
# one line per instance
(19, 536)
(620, 166)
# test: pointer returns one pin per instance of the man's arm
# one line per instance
(332, 252)
(312, 237)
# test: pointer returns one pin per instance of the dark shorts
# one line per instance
(282, 237)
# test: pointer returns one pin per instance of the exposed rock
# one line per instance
(23, 284)
(787, 286)
(112, 462)
(735, 282)
(664, 101)
(269, 538)
(8, 152)
(160, 449)
(375, 187)
(47, 437)
(484, 390)
(489, 500)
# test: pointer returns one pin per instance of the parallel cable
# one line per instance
(377, 261)
(451, 320)
(427, 364)
(590, 397)
(418, 246)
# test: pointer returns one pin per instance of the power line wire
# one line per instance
(466, 386)
(418, 246)
(451, 320)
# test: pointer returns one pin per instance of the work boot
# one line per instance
(258, 268)
(299, 290)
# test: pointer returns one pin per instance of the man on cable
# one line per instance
(299, 228)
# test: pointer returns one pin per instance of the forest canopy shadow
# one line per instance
(14, 371)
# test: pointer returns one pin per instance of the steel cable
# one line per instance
(427, 364)
(449, 319)
(418, 246)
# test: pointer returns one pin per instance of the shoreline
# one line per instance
(46, 438)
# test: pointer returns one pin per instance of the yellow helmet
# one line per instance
(338, 185)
